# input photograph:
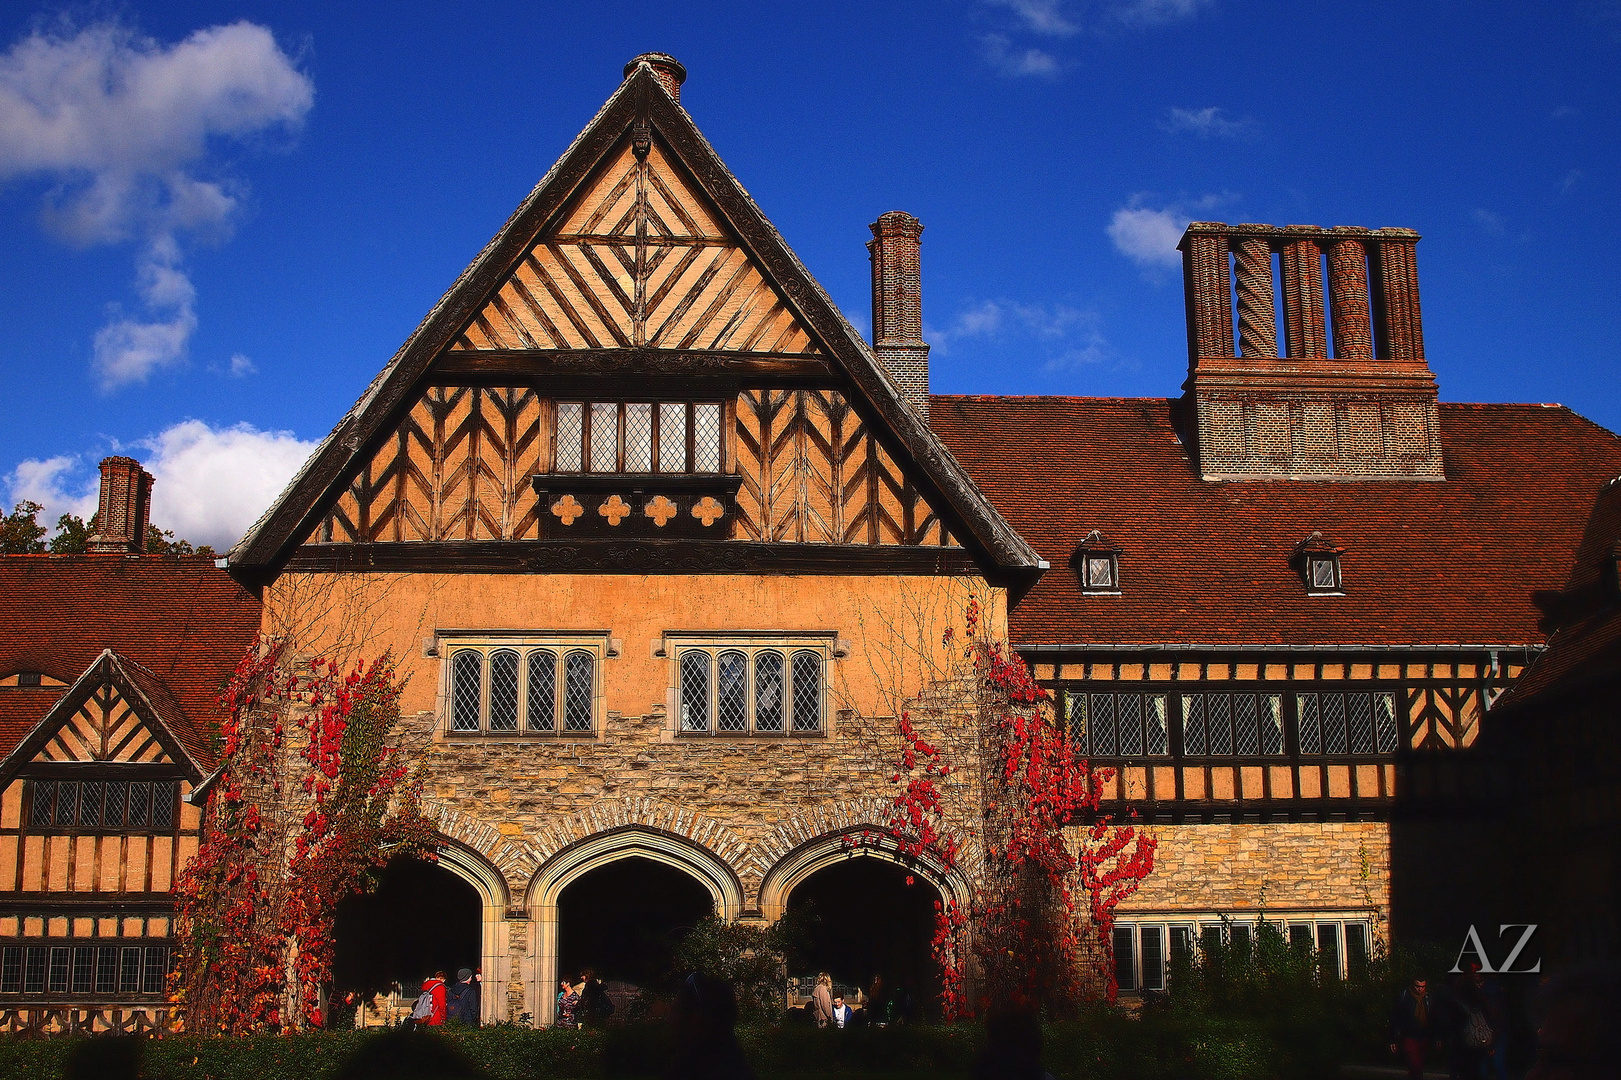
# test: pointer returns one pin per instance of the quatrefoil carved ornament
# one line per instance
(567, 509)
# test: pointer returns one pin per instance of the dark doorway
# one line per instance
(623, 920)
(422, 919)
(863, 921)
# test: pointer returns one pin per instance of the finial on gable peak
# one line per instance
(666, 69)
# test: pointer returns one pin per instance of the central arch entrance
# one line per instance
(625, 879)
(868, 919)
(624, 920)
(422, 918)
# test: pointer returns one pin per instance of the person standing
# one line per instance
(822, 998)
(841, 1012)
(464, 1005)
(434, 989)
(595, 1004)
(1412, 1026)
(568, 1003)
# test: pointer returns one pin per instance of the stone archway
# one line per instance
(454, 907)
(578, 860)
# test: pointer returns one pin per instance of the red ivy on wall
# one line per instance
(293, 826)
(1033, 805)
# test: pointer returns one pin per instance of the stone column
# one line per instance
(1257, 315)
(1205, 286)
(1304, 332)
(1348, 292)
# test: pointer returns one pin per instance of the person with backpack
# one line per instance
(429, 1009)
(463, 1004)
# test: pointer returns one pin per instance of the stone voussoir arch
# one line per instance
(810, 842)
(513, 858)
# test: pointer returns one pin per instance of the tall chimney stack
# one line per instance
(126, 507)
(897, 305)
(666, 69)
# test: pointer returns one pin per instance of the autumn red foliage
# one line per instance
(287, 836)
(1033, 813)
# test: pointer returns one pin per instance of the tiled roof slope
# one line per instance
(183, 620)
(1585, 649)
(1461, 561)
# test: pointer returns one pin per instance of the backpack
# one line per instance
(423, 1009)
(1477, 1033)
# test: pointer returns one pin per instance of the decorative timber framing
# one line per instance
(643, 119)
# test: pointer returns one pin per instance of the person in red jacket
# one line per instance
(437, 986)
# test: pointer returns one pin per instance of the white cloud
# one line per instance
(1148, 236)
(1152, 12)
(1039, 16)
(1490, 223)
(1008, 59)
(1570, 180)
(210, 483)
(1067, 336)
(242, 367)
(121, 126)
(1206, 123)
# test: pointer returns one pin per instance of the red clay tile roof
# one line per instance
(184, 621)
(1463, 561)
(1584, 652)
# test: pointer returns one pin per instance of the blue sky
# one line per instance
(253, 204)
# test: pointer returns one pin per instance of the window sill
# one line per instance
(770, 735)
(506, 736)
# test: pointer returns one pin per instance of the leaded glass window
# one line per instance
(768, 685)
(695, 691)
(1118, 724)
(504, 690)
(467, 689)
(739, 690)
(732, 691)
(542, 690)
(1347, 723)
(807, 690)
(579, 677)
(1228, 725)
(639, 437)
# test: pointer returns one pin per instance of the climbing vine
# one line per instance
(1031, 807)
(299, 819)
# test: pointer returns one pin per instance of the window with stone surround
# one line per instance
(521, 685)
(768, 686)
(1147, 953)
(638, 437)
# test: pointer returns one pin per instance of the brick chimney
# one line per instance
(666, 69)
(1295, 408)
(897, 305)
(126, 507)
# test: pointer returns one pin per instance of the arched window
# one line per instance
(732, 692)
(579, 685)
(542, 690)
(807, 691)
(504, 690)
(466, 672)
(694, 691)
(768, 686)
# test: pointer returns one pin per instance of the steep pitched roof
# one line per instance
(1584, 652)
(641, 107)
(155, 708)
(182, 620)
(1462, 561)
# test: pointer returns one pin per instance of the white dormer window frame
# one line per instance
(1319, 564)
(1097, 565)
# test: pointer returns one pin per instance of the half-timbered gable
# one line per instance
(112, 664)
(636, 357)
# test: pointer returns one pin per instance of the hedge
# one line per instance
(1102, 1044)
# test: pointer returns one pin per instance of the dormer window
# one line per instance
(1319, 564)
(1097, 564)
